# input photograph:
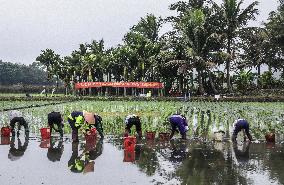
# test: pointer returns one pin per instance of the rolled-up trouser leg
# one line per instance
(74, 130)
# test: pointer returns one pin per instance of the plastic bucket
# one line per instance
(45, 133)
(5, 131)
(270, 137)
(129, 156)
(45, 143)
(164, 136)
(93, 132)
(5, 140)
(129, 143)
(90, 143)
(91, 136)
(150, 135)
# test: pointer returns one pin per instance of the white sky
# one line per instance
(29, 26)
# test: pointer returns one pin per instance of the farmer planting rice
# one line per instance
(131, 120)
(178, 123)
(77, 119)
(17, 117)
(241, 125)
(55, 118)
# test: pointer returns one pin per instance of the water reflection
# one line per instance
(148, 160)
(242, 152)
(163, 162)
(83, 160)
(178, 152)
(16, 152)
(55, 152)
(198, 162)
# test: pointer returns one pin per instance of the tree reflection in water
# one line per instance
(196, 162)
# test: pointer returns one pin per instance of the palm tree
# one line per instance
(235, 18)
(200, 38)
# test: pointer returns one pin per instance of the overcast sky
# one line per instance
(29, 26)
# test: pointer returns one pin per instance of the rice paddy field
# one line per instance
(204, 118)
(198, 160)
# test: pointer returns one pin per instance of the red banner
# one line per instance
(156, 85)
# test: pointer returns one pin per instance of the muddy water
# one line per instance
(32, 162)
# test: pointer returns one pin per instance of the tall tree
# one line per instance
(235, 18)
(49, 59)
(199, 36)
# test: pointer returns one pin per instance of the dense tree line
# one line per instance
(20, 74)
(209, 49)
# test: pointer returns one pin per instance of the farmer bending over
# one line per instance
(17, 117)
(239, 125)
(178, 122)
(55, 118)
(76, 119)
(131, 120)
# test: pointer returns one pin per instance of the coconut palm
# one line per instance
(235, 18)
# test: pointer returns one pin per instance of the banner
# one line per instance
(156, 85)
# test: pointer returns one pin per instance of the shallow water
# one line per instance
(152, 162)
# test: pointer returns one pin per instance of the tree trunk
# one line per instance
(212, 83)
(228, 66)
(200, 84)
(258, 75)
(180, 85)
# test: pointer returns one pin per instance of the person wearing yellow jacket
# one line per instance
(76, 119)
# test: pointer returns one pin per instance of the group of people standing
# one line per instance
(77, 119)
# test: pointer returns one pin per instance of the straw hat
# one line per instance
(89, 117)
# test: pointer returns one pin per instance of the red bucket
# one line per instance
(150, 135)
(5, 131)
(45, 143)
(5, 140)
(45, 133)
(93, 132)
(129, 156)
(129, 143)
(270, 137)
(91, 135)
(164, 136)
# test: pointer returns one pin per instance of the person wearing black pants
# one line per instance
(99, 125)
(76, 120)
(239, 125)
(16, 117)
(131, 120)
(55, 118)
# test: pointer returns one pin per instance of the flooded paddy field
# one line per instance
(198, 160)
(29, 160)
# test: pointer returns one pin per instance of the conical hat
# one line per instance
(89, 117)
(89, 167)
